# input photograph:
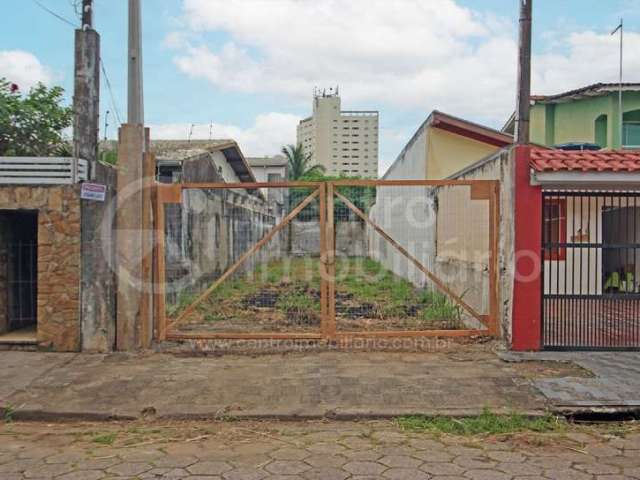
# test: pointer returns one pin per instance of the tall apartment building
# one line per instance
(345, 142)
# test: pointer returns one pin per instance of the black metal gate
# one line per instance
(590, 270)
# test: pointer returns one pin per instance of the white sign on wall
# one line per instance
(93, 191)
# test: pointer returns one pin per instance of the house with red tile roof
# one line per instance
(569, 246)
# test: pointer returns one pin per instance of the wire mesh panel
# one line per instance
(410, 258)
(21, 281)
(243, 260)
(590, 268)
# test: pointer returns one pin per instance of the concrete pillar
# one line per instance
(527, 285)
(129, 243)
(86, 95)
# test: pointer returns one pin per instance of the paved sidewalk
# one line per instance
(306, 450)
(330, 384)
(615, 384)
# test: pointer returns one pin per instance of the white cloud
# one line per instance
(266, 136)
(23, 68)
(411, 54)
(590, 58)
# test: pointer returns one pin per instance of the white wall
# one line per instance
(411, 164)
(582, 271)
(228, 174)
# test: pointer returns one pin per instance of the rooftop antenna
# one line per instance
(210, 130)
(190, 132)
(337, 89)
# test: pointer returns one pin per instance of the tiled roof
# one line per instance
(592, 90)
(550, 160)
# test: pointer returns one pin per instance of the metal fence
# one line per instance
(327, 260)
(20, 280)
(590, 270)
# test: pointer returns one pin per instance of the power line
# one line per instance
(51, 12)
(111, 95)
(104, 70)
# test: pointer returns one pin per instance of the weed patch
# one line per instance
(487, 423)
(105, 439)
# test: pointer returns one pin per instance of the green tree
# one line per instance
(32, 124)
(298, 163)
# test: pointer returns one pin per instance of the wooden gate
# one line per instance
(327, 260)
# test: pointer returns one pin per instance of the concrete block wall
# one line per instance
(500, 166)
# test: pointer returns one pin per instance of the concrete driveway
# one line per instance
(614, 383)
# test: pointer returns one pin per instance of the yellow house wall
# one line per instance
(448, 153)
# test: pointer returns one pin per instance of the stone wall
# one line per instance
(58, 301)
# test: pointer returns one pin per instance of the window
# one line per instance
(631, 134)
(554, 228)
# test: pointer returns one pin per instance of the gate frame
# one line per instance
(488, 190)
(554, 194)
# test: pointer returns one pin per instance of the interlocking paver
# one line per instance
(83, 475)
(244, 474)
(209, 468)
(328, 473)
(129, 469)
(400, 461)
(293, 454)
(326, 460)
(405, 474)
(442, 469)
(518, 468)
(289, 454)
(47, 470)
(287, 467)
(486, 475)
(364, 468)
(175, 461)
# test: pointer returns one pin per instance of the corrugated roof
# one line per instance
(550, 160)
(275, 161)
(183, 150)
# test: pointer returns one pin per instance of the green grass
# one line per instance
(105, 439)
(296, 282)
(487, 423)
(439, 306)
(297, 301)
(8, 412)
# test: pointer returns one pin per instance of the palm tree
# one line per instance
(298, 163)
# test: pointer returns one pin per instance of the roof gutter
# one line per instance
(579, 179)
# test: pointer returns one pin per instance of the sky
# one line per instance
(247, 68)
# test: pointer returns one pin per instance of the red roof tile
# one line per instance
(551, 160)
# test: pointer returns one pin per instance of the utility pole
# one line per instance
(620, 28)
(134, 243)
(135, 94)
(523, 102)
(86, 91)
(87, 14)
